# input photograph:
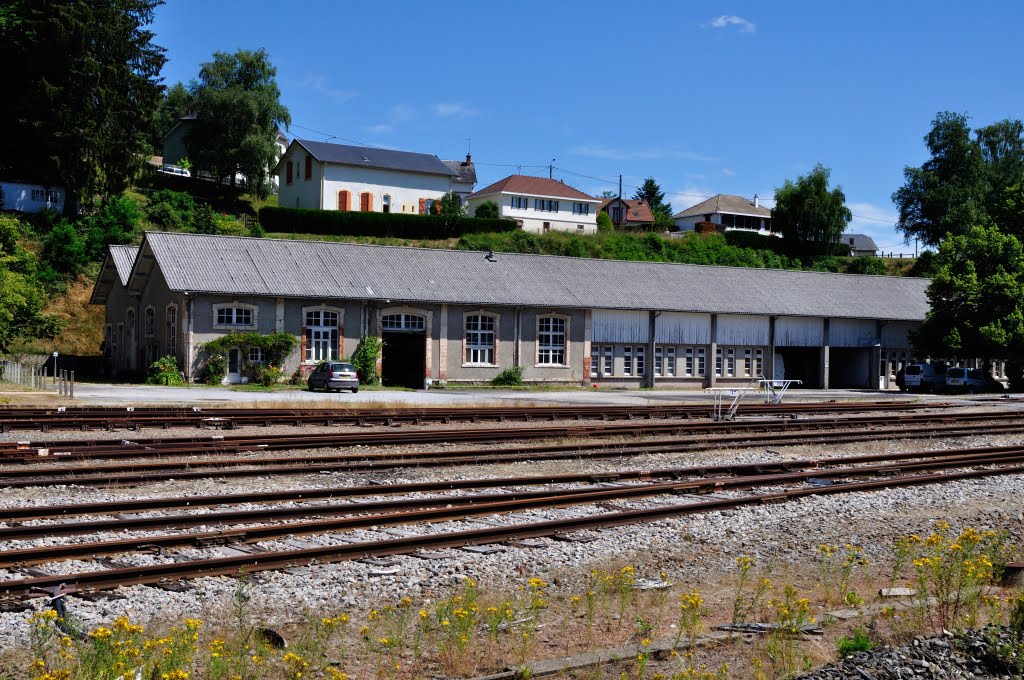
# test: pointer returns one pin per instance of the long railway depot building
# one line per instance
(455, 316)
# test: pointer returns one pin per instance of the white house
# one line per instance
(324, 176)
(725, 212)
(540, 205)
(31, 198)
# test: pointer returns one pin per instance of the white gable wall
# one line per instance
(31, 198)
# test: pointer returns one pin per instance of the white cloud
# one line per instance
(454, 110)
(648, 154)
(728, 172)
(397, 114)
(319, 83)
(727, 20)
(689, 196)
(379, 129)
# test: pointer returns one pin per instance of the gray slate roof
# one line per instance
(725, 203)
(322, 270)
(124, 258)
(860, 242)
(367, 157)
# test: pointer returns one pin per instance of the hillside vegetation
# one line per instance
(57, 261)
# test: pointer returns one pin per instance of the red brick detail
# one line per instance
(586, 370)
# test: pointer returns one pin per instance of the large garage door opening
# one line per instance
(404, 357)
(799, 363)
(850, 368)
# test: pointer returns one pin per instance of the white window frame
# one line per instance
(659, 359)
(547, 352)
(322, 338)
(402, 321)
(579, 208)
(171, 324)
(233, 312)
(702, 356)
(640, 356)
(595, 360)
(477, 350)
(256, 356)
(670, 362)
(608, 368)
(627, 360)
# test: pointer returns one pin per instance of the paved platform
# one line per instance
(110, 394)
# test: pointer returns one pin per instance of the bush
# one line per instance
(266, 374)
(115, 223)
(860, 642)
(365, 359)
(171, 210)
(824, 263)
(924, 266)
(604, 223)
(204, 220)
(510, 377)
(866, 265)
(164, 371)
(214, 370)
(65, 248)
(488, 210)
(397, 225)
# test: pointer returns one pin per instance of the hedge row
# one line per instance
(396, 225)
(749, 239)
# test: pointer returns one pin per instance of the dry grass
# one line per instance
(83, 331)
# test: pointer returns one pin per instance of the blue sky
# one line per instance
(707, 98)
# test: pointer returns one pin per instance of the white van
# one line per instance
(924, 377)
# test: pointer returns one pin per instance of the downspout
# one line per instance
(188, 337)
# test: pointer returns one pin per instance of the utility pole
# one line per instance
(619, 225)
(551, 167)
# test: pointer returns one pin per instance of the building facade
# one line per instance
(540, 205)
(323, 176)
(724, 212)
(462, 316)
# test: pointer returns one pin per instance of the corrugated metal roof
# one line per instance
(317, 269)
(124, 258)
(367, 157)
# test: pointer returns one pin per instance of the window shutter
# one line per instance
(423, 206)
(288, 172)
(343, 200)
(364, 201)
(309, 167)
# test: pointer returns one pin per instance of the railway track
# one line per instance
(1000, 461)
(135, 418)
(159, 460)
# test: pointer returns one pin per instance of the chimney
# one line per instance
(469, 160)
(755, 201)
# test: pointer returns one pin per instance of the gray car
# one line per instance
(334, 375)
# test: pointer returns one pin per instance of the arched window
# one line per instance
(402, 322)
(321, 335)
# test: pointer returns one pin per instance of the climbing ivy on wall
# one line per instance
(275, 346)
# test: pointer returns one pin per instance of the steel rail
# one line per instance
(393, 511)
(15, 514)
(14, 418)
(220, 443)
(138, 472)
(282, 559)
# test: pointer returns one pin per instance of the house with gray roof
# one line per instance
(119, 333)
(325, 176)
(724, 212)
(464, 316)
(861, 245)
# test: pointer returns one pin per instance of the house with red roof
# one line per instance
(540, 205)
(628, 213)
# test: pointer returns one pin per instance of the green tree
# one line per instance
(807, 213)
(977, 297)
(79, 102)
(949, 192)
(174, 103)
(487, 209)
(115, 223)
(604, 223)
(65, 248)
(651, 194)
(21, 296)
(449, 207)
(238, 113)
